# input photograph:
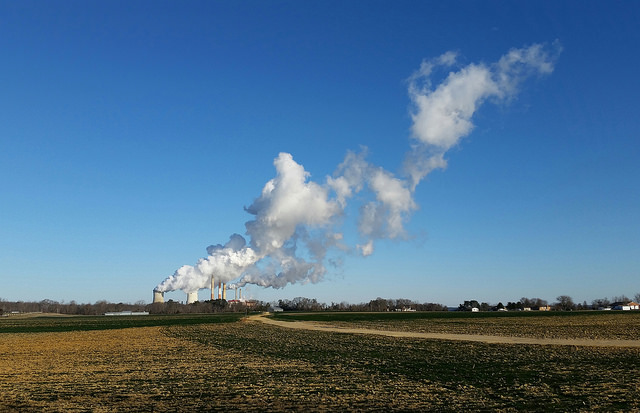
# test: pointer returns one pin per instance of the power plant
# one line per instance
(192, 297)
(158, 296)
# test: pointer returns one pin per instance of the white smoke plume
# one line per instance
(296, 221)
(288, 202)
(227, 262)
(442, 115)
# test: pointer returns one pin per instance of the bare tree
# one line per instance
(600, 303)
(620, 299)
(565, 303)
(533, 302)
(469, 305)
(379, 304)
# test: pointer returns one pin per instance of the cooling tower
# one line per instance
(192, 297)
(158, 297)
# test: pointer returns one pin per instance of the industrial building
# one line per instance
(192, 297)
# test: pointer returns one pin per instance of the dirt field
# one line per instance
(251, 366)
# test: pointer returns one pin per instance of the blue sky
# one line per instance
(133, 135)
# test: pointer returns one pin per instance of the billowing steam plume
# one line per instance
(296, 221)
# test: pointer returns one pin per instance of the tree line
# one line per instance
(103, 306)
(379, 304)
(562, 303)
(212, 306)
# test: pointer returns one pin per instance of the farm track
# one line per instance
(490, 339)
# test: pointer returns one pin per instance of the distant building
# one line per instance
(542, 308)
(625, 305)
(127, 313)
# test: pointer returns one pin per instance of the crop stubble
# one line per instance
(251, 366)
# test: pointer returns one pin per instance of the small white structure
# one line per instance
(127, 313)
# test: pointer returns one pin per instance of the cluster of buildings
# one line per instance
(622, 305)
(192, 297)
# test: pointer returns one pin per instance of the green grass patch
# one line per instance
(402, 316)
(85, 323)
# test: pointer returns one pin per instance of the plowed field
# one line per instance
(246, 366)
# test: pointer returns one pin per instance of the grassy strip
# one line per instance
(391, 316)
(86, 323)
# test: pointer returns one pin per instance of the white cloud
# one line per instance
(441, 117)
(288, 200)
(396, 198)
(366, 249)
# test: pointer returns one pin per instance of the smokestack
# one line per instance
(239, 293)
(224, 291)
(158, 297)
(192, 297)
(213, 284)
(219, 290)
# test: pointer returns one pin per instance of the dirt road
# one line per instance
(307, 325)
